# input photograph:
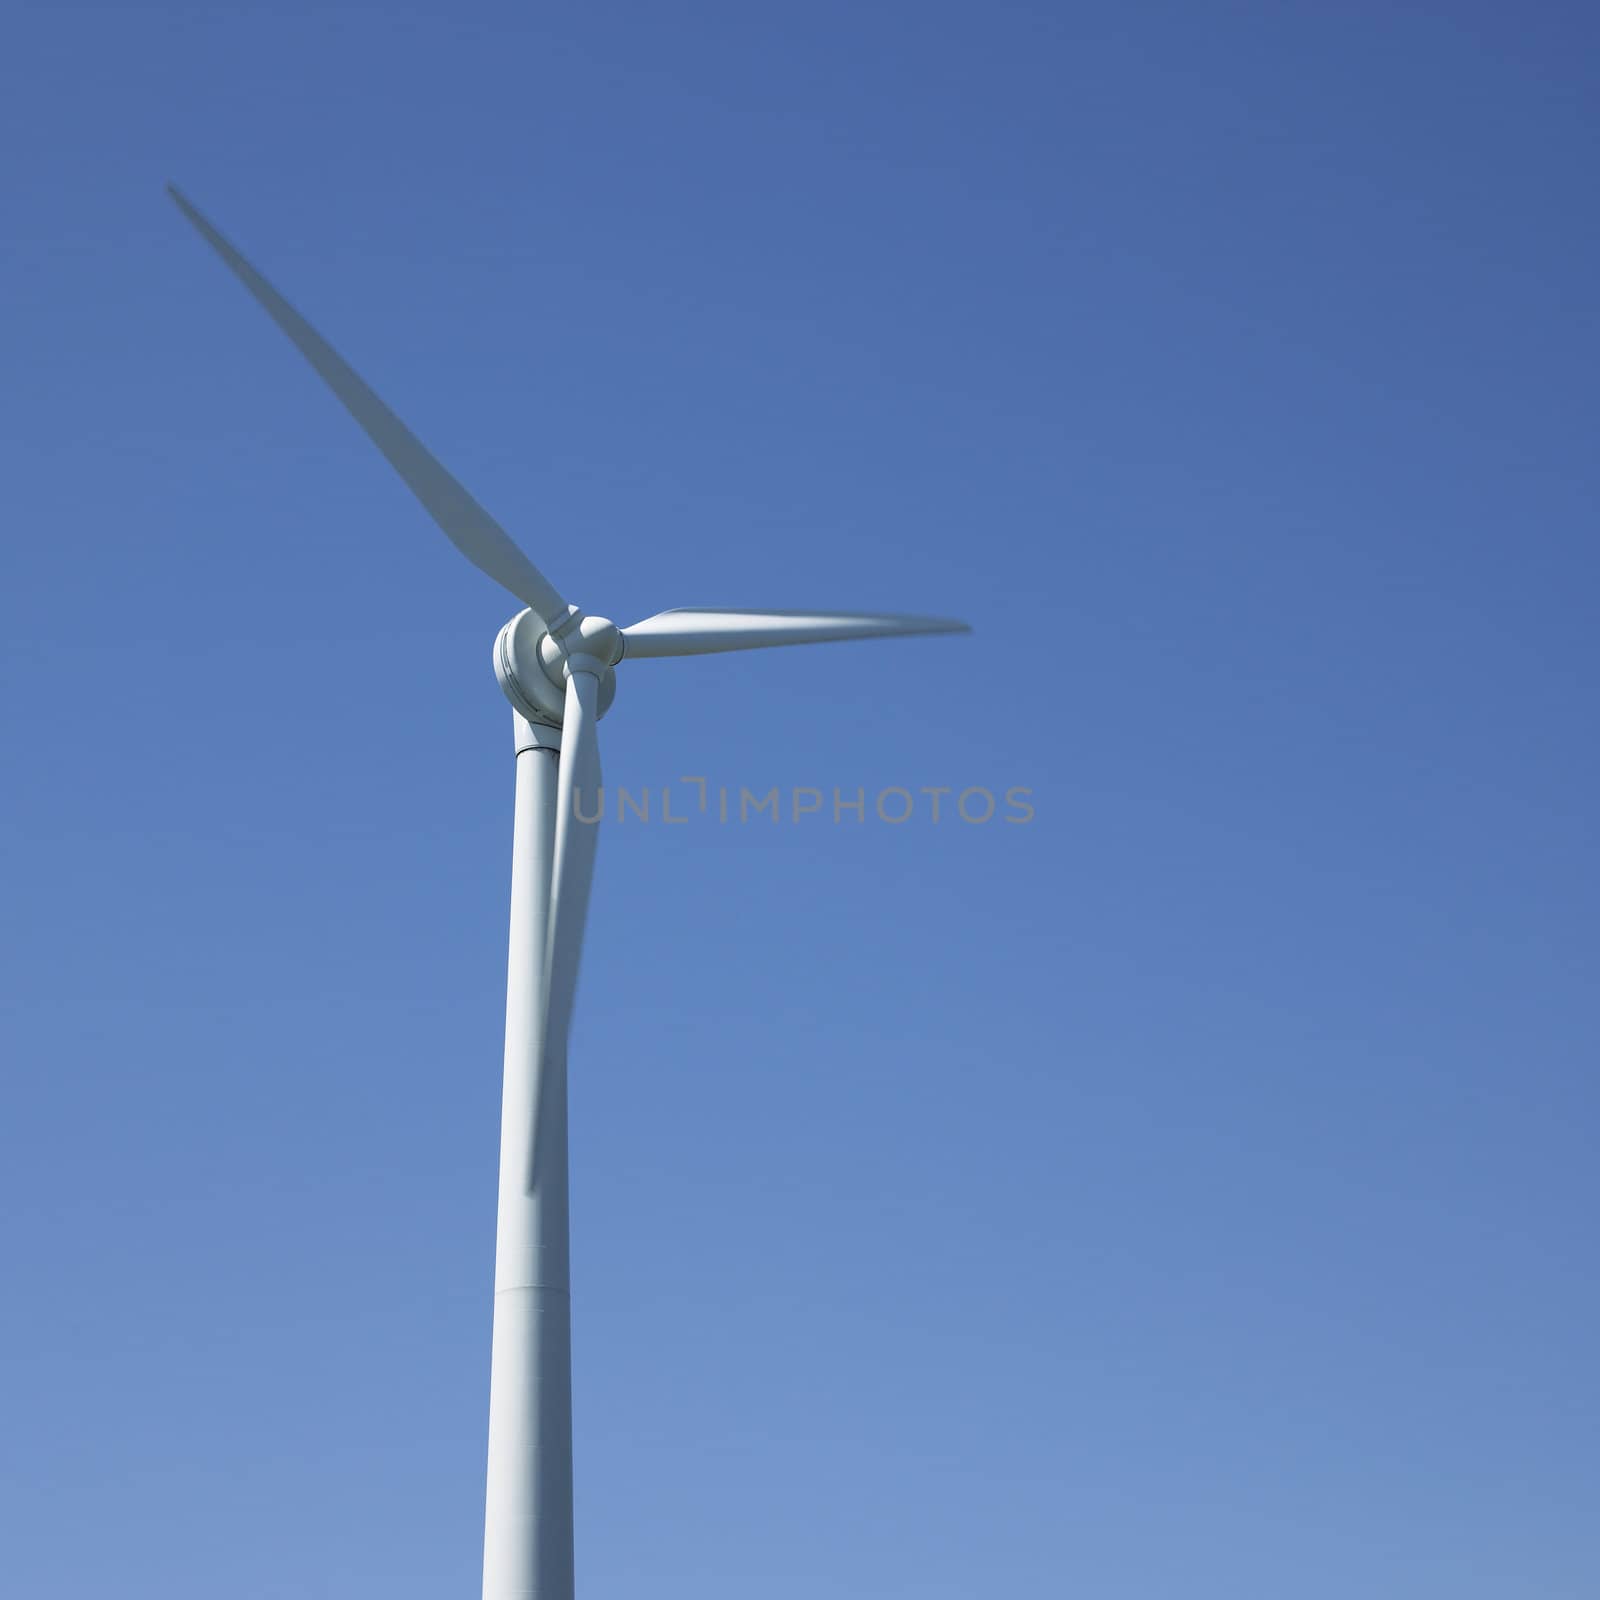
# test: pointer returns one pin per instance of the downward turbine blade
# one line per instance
(577, 796)
(470, 528)
(705, 631)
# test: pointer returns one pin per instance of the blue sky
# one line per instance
(1190, 1192)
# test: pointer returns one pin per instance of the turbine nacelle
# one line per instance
(533, 664)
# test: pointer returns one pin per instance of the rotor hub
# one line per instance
(532, 662)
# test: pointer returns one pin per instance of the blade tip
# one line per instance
(181, 200)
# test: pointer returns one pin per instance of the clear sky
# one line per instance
(1188, 1193)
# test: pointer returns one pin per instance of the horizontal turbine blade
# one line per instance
(470, 528)
(704, 632)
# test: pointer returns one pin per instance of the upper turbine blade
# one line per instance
(577, 797)
(704, 631)
(473, 531)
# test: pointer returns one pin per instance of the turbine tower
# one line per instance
(557, 668)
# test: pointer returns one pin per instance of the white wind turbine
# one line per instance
(555, 665)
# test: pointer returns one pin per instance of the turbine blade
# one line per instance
(704, 631)
(469, 527)
(577, 786)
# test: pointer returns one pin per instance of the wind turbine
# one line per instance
(556, 665)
